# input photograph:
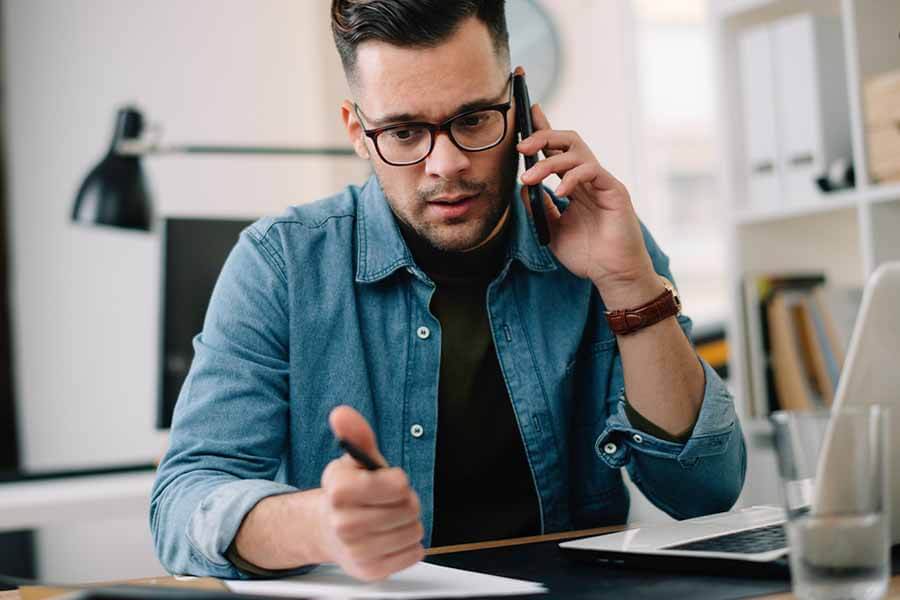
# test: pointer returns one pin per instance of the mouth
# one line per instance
(451, 199)
(454, 206)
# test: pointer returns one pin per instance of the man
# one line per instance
(422, 308)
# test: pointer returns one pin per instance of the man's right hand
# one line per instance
(369, 520)
(365, 521)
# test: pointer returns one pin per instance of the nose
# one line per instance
(446, 160)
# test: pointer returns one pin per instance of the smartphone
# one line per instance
(525, 128)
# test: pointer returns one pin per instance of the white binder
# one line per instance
(758, 99)
(811, 101)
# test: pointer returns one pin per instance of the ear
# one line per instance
(354, 130)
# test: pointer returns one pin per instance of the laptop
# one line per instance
(753, 539)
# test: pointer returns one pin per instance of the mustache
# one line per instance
(461, 187)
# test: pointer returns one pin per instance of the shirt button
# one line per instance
(423, 332)
(638, 438)
(610, 448)
(417, 431)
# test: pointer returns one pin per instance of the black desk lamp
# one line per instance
(115, 191)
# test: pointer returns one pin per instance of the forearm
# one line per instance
(664, 380)
(282, 532)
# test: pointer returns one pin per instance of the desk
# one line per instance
(568, 579)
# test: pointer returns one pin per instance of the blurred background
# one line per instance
(760, 141)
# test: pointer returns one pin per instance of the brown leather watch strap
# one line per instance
(629, 320)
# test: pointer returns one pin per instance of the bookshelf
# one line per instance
(844, 234)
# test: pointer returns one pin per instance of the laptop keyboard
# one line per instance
(751, 541)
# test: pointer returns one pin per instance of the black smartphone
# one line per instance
(525, 128)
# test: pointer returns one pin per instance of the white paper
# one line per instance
(422, 580)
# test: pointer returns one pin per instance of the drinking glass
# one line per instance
(834, 479)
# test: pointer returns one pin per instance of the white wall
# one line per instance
(598, 88)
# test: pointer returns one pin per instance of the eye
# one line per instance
(473, 120)
(404, 135)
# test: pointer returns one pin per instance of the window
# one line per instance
(676, 191)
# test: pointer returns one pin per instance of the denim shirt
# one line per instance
(324, 306)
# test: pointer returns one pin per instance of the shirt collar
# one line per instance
(381, 249)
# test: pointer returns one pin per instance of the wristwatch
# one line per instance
(629, 320)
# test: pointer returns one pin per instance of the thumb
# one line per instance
(347, 424)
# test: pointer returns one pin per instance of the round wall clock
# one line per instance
(534, 43)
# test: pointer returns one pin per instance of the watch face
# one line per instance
(671, 287)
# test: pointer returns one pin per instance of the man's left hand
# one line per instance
(599, 235)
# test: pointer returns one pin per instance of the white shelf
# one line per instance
(766, 9)
(882, 193)
(730, 8)
(34, 504)
(833, 201)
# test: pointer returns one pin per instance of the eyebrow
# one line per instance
(408, 117)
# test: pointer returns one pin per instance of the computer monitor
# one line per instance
(194, 250)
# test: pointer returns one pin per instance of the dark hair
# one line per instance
(410, 23)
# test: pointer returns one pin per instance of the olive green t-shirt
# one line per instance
(483, 487)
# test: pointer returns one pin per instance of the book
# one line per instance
(793, 388)
(839, 307)
(759, 289)
(812, 351)
(755, 364)
(832, 355)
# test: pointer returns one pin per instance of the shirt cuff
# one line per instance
(252, 571)
(215, 522)
(710, 436)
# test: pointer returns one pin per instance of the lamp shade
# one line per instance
(115, 191)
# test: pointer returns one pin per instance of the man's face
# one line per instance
(414, 84)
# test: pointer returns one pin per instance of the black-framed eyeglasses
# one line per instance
(476, 130)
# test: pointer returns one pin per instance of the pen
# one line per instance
(358, 455)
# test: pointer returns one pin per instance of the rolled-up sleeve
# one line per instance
(230, 422)
(703, 475)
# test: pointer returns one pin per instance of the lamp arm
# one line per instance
(141, 147)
